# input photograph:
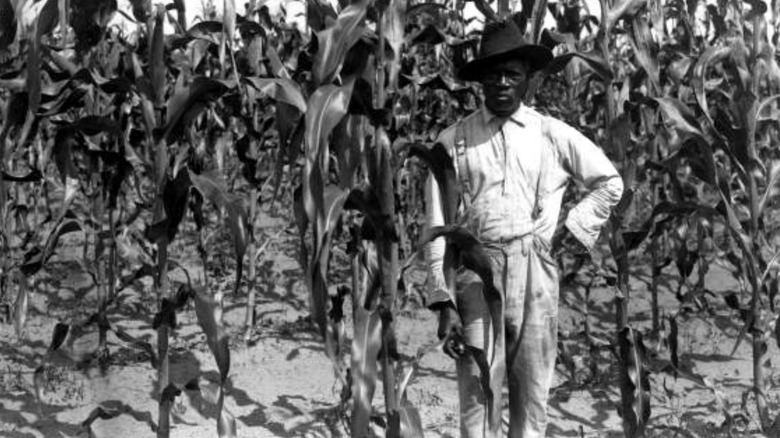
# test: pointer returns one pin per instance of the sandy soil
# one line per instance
(282, 384)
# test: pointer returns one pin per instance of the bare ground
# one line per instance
(282, 384)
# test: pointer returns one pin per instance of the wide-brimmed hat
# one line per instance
(503, 40)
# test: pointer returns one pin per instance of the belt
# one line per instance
(504, 244)
(524, 243)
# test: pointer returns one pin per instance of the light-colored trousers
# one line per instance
(527, 278)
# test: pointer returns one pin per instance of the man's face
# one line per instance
(504, 86)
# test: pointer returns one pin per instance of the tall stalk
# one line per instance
(624, 336)
(755, 232)
(654, 243)
(3, 238)
(251, 274)
(621, 256)
(98, 264)
(160, 174)
(388, 249)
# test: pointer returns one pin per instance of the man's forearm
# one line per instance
(438, 292)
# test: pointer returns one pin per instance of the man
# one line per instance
(513, 165)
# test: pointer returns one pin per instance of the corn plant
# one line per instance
(351, 105)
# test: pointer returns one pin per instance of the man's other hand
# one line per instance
(451, 331)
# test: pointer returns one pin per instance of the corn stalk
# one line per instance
(387, 245)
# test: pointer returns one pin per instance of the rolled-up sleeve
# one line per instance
(588, 164)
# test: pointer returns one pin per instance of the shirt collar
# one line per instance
(491, 119)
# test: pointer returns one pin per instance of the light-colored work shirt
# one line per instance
(515, 172)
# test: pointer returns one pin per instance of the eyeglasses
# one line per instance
(511, 77)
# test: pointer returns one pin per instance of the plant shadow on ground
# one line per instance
(37, 416)
(23, 410)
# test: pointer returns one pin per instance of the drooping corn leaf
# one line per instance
(319, 14)
(366, 344)
(280, 89)
(662, 213)
(593, 60)
(486, 10)
(645, 49)
(317, 272)
(677, 115)
(276, 65)
(635, 382)
(434, 82)
(430, 35)
(711, 55)
(443, 169)
(99, 413)
(480, 358)
(213, 189)
(176, 191)
(334, 42)
(209, 312)
(205, 30)
(188, 101)
(471, 255)
(137, 343)
(36, 258)
(623, 9)
(58, 336)
(327, 106)
(405, 421)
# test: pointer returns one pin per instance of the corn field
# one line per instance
(231, 208)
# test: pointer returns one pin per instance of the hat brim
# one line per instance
(537, 57)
